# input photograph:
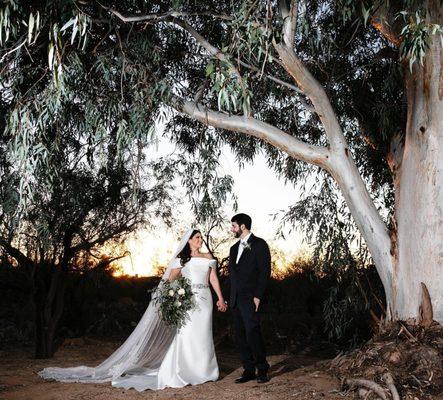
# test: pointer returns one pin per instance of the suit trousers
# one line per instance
(249, 338)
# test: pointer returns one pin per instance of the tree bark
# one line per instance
(419, 191)
(344, 170)
(366, 217)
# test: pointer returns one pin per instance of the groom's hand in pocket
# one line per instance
(256, 303)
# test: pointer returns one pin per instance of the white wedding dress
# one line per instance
(190, 358)
(155, 355)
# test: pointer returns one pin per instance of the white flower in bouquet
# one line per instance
(175, 311)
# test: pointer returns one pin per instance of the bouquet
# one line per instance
(175, 300)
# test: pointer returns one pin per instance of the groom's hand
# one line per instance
(221, 305)
(257, 303)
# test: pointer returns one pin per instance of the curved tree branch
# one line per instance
(215, 52)
(155, 17)
(172, 18)
(212, 50)
(316, 93)
(343, 168)
(371, 385)
(296, 148)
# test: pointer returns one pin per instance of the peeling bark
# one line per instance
(384, 21)
(426, 314)
(419, 190)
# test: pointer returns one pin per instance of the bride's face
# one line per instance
(196, 241)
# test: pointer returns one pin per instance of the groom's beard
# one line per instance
(238, 234)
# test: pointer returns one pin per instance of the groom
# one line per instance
(249, 271)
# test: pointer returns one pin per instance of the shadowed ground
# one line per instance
(296, 377)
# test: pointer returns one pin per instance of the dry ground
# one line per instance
(293, 377)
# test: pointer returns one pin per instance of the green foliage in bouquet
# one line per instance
(176, 299)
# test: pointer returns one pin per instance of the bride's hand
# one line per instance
(221, 305)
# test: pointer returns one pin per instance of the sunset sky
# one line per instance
(260, 194)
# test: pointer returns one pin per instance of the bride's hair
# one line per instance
(185, 254)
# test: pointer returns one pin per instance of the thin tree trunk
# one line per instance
(49, 308)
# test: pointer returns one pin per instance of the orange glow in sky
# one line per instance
(148, 252)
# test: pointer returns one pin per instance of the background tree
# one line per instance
(88, 191)
(308, 83)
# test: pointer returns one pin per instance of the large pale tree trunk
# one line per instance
(409, 259)
(419, 192)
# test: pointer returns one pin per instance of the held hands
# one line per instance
(221, 305)
(257, 303)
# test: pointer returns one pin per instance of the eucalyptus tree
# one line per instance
(350, 90)
(84, 190)
(83, 208)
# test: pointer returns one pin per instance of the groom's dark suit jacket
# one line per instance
(250, 276)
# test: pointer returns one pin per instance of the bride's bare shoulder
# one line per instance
(207, 255)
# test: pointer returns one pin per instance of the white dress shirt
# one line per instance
(240, 247)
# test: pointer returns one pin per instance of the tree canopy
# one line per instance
(105, 71)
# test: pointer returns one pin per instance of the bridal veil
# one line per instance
(143, 350)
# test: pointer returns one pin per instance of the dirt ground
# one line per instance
(292, 377)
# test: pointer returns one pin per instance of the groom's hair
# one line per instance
(242, 219)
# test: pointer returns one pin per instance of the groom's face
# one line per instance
(236, 229)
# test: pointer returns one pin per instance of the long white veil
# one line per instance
(144, 349)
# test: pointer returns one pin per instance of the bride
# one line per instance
(155, 355)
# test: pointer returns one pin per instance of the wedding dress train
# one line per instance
(156, 356)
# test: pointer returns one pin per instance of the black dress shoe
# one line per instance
(263, 378)
(246, 377)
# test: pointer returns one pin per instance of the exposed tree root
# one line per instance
(364, 393)
(387, 377)
(405, 361)
(371, 385)
(409, 335)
